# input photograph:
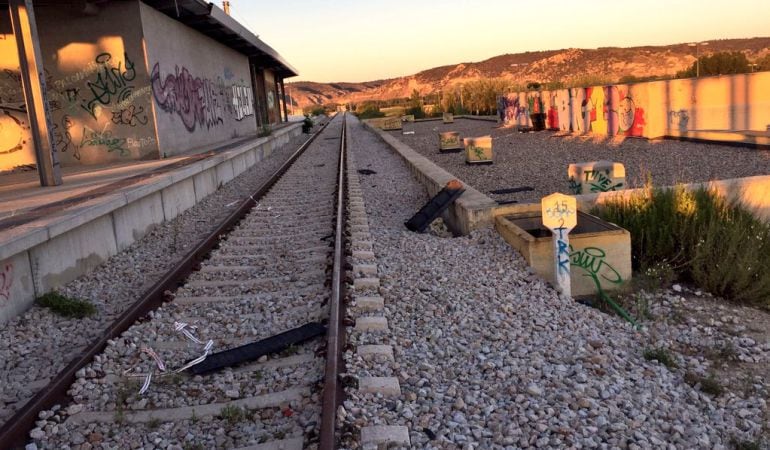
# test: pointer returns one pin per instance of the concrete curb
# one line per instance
(471, 211)
(38, 256)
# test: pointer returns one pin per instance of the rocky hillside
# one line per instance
(567, 65)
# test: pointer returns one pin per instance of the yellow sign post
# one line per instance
(559, 213)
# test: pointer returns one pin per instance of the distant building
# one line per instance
(129, 80)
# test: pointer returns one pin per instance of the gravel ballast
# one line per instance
(489, 356)
(540, 159)
(37, 344)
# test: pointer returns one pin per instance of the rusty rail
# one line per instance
(335, 336)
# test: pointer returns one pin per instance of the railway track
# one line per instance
(277, 268)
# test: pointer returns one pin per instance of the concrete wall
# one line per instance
(97, 82)
(14, 127)
(653, 109)
(201, 89)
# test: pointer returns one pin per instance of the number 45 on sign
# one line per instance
(559, 213)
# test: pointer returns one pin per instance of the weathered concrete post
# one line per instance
(33, 82)
(559, 214)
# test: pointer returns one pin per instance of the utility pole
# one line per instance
(33, 84)
(697, 59)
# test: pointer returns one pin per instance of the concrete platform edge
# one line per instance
(49, 252)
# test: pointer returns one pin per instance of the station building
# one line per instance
(128, 80)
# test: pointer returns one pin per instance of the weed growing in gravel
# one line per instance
(708, 384)
(231, 414)
(66, 306)
(153, 424)
(661, 355)
(257, 375)
(746, 445)
(718, 245)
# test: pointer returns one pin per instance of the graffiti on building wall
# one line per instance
(199, 101)
(130, 115)
(112, 83)
(104, 139)
(62, 137)
(6, 281)
(14, 130)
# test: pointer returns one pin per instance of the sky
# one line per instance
(364, 40)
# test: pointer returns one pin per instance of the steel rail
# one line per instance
(335, 336)
(13, 433)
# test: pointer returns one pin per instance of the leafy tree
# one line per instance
(763, 63)
(415, 105)
(722, 63)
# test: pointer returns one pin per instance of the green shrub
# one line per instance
(66, 306)
(417, 111)
(660, 355)
(719, 246)
(370, 112)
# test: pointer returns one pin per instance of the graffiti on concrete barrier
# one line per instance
(679, 119)
(92, 138)
(601, 181)
(6, 281)
(200, 101)
(14, 128)
(111, 83)
(510, 108)
(592, 261)
(131, 116)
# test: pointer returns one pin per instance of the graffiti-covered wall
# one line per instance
(97, 83)
(654, 109)
(201, 89)
(15, 148)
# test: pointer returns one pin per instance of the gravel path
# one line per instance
(540, 160)
(37, 344)
(489, 356)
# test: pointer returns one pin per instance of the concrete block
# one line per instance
(21, 238)
(224, 173)
(251, 157)
(178, 198)
(17, 289)
(363, 255)
(387, 386)
(601, 251)
(205, 184)
(133, 221)
(74, 253)
(80, 214)
(366, 283)
(596, 176)
(385, 434)
(370, 303)
(373, 351)
(376, 323)
(239, 164)
(367, 269)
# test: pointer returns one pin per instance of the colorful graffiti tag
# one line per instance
(591, 260)
(199, 101)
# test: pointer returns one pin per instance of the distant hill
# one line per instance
(567, 65)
